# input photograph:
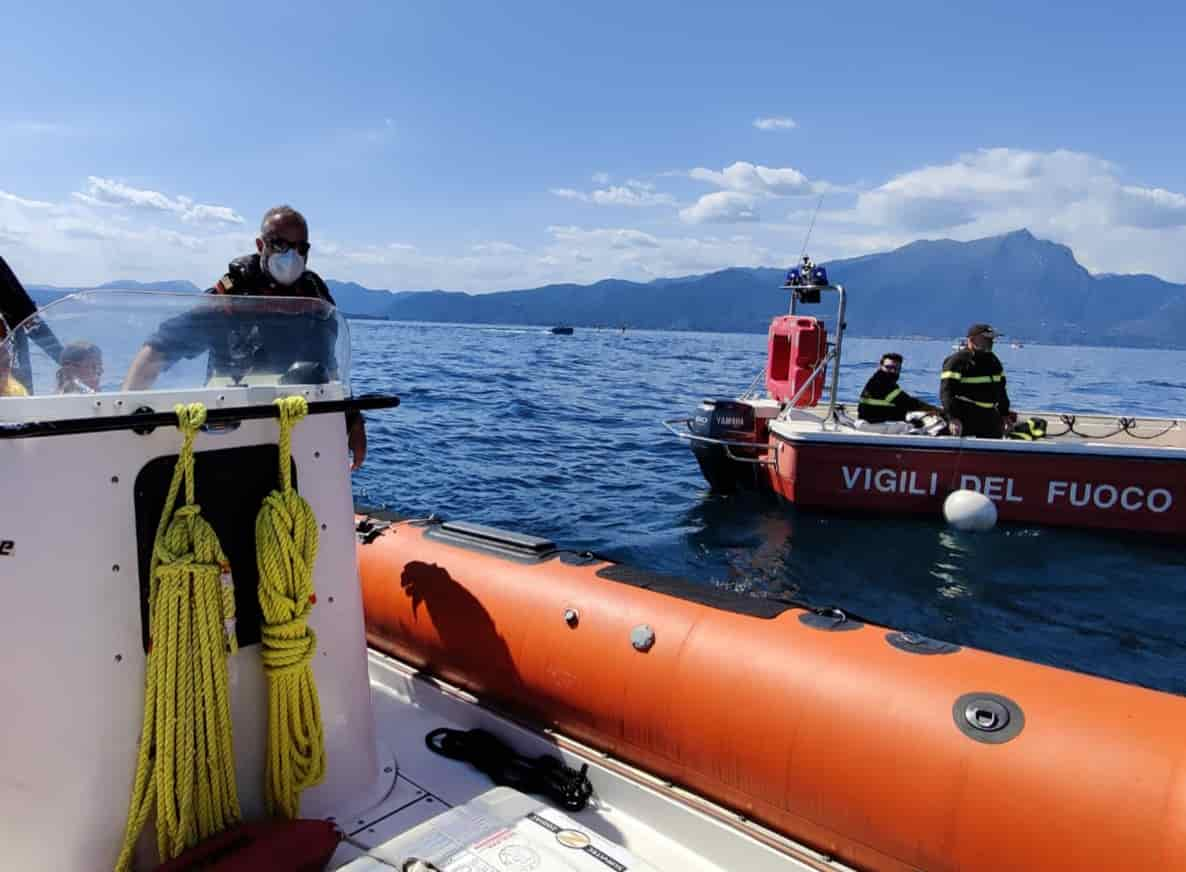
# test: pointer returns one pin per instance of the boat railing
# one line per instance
(754, 390)
(673, 425)
(790, 406)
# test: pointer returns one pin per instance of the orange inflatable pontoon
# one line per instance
(884, 749)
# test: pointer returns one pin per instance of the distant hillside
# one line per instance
(353, 298)
(1031, 289)
(730, 300)
(176, 286)
(43, 295)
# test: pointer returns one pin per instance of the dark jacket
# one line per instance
(882, 400)
(250, 341)
(15, 306)
(245, 276)
(972, 389)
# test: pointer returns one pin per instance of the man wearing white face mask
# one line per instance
(278, 268)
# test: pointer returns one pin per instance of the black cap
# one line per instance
(983, 330)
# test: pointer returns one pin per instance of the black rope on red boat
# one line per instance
(1130, 425)
(544, 775)
(1069, 420)
(1125, 425)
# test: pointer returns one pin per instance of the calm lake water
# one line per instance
(559, 436)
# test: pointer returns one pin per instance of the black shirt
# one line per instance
(973, 380)
(882, 400)
(250, 341)
(15, 306)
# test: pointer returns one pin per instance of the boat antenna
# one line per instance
(807, 239)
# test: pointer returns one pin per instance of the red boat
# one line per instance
(798, 441)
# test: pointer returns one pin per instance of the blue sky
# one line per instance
(481, 146)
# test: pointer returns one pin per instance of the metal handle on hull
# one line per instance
(696, 437)
(757, 461)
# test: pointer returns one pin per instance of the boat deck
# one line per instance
(662, 826)
(1090, 432)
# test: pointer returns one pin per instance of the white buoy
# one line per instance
(970, 510)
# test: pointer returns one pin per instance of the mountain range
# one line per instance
(1030, 288)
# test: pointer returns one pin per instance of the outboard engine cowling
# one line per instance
(731, 421)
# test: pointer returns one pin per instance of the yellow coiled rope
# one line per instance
(186, 764)
(286, 542)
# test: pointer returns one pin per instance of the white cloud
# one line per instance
(1149, 207)
(633, 193)
(496, 248)
(722, 207)
(1113, 223)
(616, 238)
(626, 195)
(1070, 197)
(570, 253)
(21, 202)
(108, 192)
(219, 214)
(115, 231)
(775, 123)
(746, 178)
(588, 254)
(570, 193)
(985, 182)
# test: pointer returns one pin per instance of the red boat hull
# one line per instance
(1083, 489)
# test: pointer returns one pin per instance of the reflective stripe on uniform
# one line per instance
(979, 379)
(888, 401)
(947, 373)
(976, 402)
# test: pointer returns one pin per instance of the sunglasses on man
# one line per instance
(282, 245)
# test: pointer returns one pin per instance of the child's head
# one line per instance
(81, 367)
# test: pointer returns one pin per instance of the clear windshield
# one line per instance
(111, 340)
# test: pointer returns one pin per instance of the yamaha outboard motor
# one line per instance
(734, 422)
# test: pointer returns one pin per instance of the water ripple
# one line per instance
(559, 436)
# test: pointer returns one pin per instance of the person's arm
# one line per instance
(145, 368)
(1003, 399)
(40, 333)
(908, 403)
(356, 439)
(949, 381)
(16, 306)
(15, 303)
(182, 336)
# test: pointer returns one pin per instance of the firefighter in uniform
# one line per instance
(972, 388)
(882, 400)
(276, 269)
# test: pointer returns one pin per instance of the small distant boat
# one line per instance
(1016, 345)
(561, 331)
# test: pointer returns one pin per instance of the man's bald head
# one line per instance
(283, 229)
(283, 218)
